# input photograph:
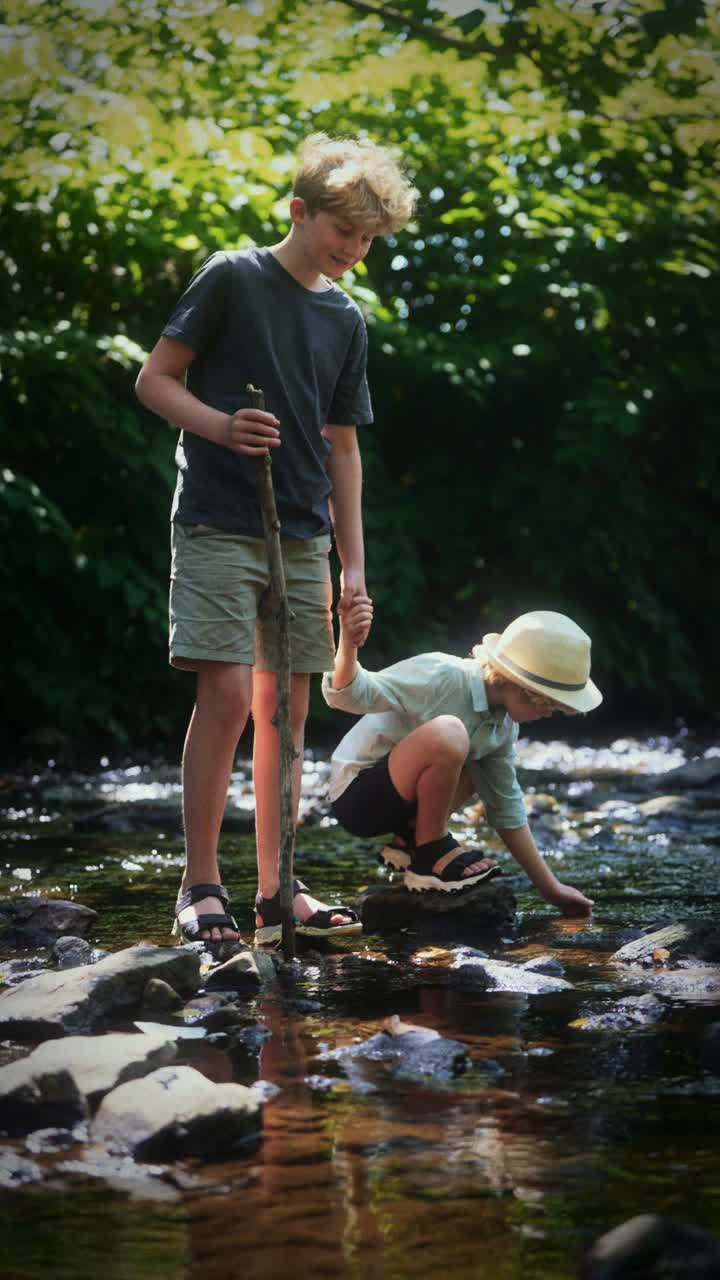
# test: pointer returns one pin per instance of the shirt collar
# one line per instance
(480, 699)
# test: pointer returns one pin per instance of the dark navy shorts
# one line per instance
(371, 806)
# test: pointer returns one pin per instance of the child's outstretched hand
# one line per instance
(571, 901)
(356, 620)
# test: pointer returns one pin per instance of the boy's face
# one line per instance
(522, 705)
(331, 242)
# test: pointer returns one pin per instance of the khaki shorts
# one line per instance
(220, 600)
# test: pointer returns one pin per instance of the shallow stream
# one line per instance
(492, 1176)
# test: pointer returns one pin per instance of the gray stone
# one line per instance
(75, 1000)
(59, 1081)
(664, 806)
(485, 907)
(17, 1171)
(497, 975)
(409, 1052)
(239, 973)
(630, 1013)
(160, 997)
(699, 984)
(69, 952)
(695, 773)
(549, 965)
(39, 921)
(177, 1112)
(649, 1247)
(43, 1141)
(215, 1011)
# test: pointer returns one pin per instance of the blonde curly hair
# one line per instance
(357, 179)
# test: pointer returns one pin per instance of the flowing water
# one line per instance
(499, 1174)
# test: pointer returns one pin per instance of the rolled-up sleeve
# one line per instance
(496, 783)
(416, 687)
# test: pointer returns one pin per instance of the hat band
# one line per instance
(550, 684)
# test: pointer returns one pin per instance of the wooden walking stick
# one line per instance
(281, 718)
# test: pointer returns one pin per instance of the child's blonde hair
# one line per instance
(355, 178)
(497, 679)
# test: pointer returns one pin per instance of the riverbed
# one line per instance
(559, 1130)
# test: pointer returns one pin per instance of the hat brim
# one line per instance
(585, 699)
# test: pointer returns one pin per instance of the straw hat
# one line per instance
(548, 653)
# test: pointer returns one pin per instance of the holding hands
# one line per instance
(355, 620)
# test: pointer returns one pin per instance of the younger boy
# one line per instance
(273, 318)
(437, 728)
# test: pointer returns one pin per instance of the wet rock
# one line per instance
(248, 1041)
(409, 1052)
(17, 1171)
(76, 1000)
(549, 965)
(160, 997)
(46, 1141)
(498, 975)
(240, 974)
(698, 984)
(630, 1013)
(39, 921)
(666, 806)
(16, 971)
(696, 773)
(215, 1012)
(485, 907)
(68, 952)
(710, 1048)
(177, 1112)
(651, 1247)
(58, 1082)
(123, 1174)
(696, 941)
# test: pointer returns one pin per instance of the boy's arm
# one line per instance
(520, 842)
(160, 387)
(344, 467)
(354, 622)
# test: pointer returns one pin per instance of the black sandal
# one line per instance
(191, 930)
(420, 875)
(316, 926)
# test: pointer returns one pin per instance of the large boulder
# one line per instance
(76, 1000)
(58, 1083)
(497, 975)
(651, 1247)
(37, 922)
(177, 1112)
(487, 907)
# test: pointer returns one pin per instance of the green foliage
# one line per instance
(543, 338)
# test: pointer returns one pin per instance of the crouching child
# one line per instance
(437, 729)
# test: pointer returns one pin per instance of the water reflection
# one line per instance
(497, 1174)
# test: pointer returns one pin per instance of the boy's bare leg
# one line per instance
(222, 704)
(427, 767)
(266, 777)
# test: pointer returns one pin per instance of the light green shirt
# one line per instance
(398, 699)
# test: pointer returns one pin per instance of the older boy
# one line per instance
(274, 318)
(437, 728)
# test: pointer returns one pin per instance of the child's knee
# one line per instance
(451, 736)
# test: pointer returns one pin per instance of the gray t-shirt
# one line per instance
(250, 321)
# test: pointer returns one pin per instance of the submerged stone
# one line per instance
(409, 1052)
(498, 975)
(630, 1013)
(653, 1246)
